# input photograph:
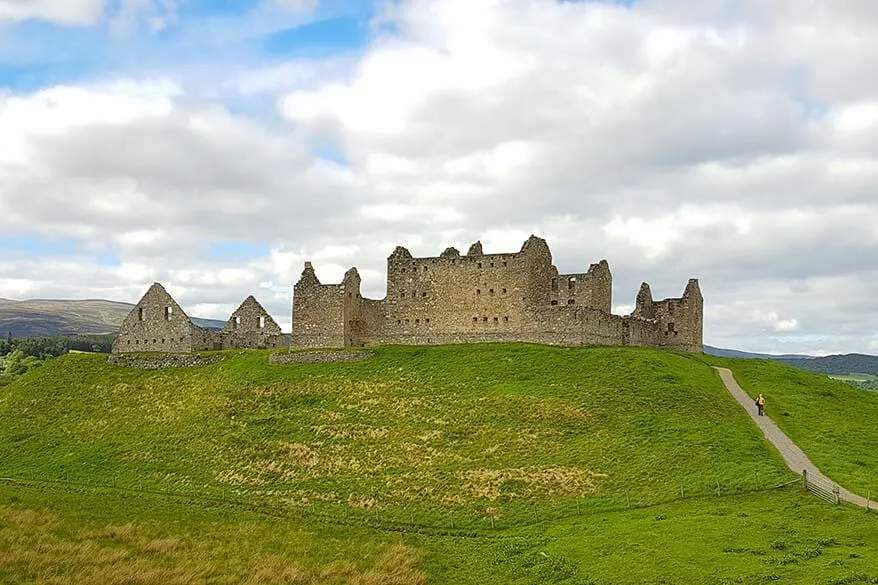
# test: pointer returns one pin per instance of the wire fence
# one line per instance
(418, 517)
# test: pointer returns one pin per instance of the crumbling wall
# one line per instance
(318, 311)
(250, 326)
(157, 324)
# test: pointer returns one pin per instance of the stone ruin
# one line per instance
(158, 324)
(517, 296)
(450, 298)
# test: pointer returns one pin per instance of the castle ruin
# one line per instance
(158, 324)
(518, 296)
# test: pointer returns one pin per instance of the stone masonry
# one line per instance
(518, 296)
(158, 324)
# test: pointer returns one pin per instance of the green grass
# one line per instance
(459, 464)
(831, 420)
(854, 377)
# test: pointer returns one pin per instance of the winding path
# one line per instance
(795, 457)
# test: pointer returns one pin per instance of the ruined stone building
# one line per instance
(157, 323)
(518, 296)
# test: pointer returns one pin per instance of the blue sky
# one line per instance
(39, 53)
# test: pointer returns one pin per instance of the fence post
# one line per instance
(868, 499)
(681, 491)
(835, 493)
(757, 481)
(628, 499)
(805, 479)
(717, 488)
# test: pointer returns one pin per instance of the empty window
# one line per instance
(571, 283)
(155, 341)
(571, 302)
(136, 342)
(554, 302)
(480, 264)
(492, 265)
(163, 340)
(670, 327)
(236, 322)
(423, 294)
(504, 263)
(485, 319)
(504, 291)
(406, 321)
(554, 284)
(478, 291)
(425, 269)
(399, 321)
(475, 319)
(496, 320)
(168, 312)
(426, 320)
(260, 323)
(417, 320)
(414, 294)
(128, 342)
(140, 314)
(491, 291)
(403, 269)
(402, 295)
(506, 319)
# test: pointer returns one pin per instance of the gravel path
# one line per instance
(795, 457)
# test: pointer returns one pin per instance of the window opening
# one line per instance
(554, 302)
(168, 312)
(571, 302)
(140, 314)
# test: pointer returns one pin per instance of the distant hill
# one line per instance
(46, 317)
(852, 363)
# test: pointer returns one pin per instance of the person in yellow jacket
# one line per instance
(760, 404)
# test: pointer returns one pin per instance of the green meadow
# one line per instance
(494, 463)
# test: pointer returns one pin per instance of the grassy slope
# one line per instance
(832, 421)
(432, 438)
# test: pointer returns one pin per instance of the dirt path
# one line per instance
(795, 457)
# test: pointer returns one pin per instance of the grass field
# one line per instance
(854, 377)
(831, 420)
(467, 464)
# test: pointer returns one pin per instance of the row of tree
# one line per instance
(18, 355)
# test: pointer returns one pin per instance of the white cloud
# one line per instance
(66, 12)
(736, 144)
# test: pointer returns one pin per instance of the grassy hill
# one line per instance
(457, 464)
(46, 318)
(831, 420)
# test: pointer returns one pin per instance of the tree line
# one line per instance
(18, 355)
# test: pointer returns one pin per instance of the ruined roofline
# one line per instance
(692, 288)
(474, 251)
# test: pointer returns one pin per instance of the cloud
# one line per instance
(64, 12)
(736, 142)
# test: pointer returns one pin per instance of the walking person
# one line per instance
(760, 404)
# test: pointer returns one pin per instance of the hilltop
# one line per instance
(488, 463)
(49, 317)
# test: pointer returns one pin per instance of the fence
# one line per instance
(415, 518)
(825, 490)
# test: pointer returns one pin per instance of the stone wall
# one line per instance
(454, 298)
(158, 324)
(250, 326)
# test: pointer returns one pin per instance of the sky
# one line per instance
(215, 146)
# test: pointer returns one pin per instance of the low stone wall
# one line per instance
(162, 361)
(314, 357)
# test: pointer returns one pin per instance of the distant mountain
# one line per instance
(44, 317)
(852, 363)
(734, 353)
